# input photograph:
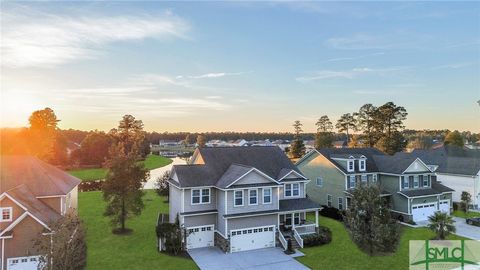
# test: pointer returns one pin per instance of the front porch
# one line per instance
(293, 226)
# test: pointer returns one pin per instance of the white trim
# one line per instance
(247, 187)
(3, 253)
(300, 211)
(456, 174)
(316, 181)
(423, 196)
(198, 214)
(292, 171)
(226, 202)
(364, 161)
(256, 196)
(423, 163)
(263, 196)
(338, 202)
(251, 170)
(235, 198)
(350, 161)
(10, 215)
(221, 234)
(252, 214)
(200, 196)
(50, 196)
(331, 201)
(183, 200)
(291, 190)
(5, 194)
(391, 210)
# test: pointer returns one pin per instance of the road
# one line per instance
(155, 173)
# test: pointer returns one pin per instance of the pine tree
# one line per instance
(297, 147)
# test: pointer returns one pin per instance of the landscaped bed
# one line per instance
(135, 251)
(92, 174)
(342, 253)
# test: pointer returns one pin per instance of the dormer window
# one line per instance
(350, 165)
(362, 164)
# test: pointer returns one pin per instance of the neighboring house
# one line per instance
(240, 198)
(339, 144)
(32, 195)
(456, 168)
(405, 182)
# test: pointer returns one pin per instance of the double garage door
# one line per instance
(23, 263)
(252, 238)
(421, 212)
(201, 236)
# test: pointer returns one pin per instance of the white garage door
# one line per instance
(23, 263)
(445, 206)
(421, 212)
(252, 238)
(201, 236)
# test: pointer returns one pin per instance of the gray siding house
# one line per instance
(241, 198)
(410, 186)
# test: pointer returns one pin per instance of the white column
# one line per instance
(293, 220)
(316, 218)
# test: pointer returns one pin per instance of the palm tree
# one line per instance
(442, 224)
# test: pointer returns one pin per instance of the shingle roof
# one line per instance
(298, 204)
(223, 165)
(36, 207)
(393, 164)
(41, 178)
(452, 160)
(435, 190)
(331, 153)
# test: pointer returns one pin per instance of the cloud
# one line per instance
(212, 75)
(347, 74)
(394, 40)
(452, 66)
(36, 39)
(340, 59)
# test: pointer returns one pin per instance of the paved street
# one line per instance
(465, 230)
(155, 173)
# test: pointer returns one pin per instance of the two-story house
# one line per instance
(32, 195)
(456, 168)
(408, 185)
(240, 198)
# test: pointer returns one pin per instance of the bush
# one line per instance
(331, 212)
(90, 186)
(324, 236)
(456, 206)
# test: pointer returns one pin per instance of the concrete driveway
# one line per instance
(212, 258)
(155, 173)
(465, 230)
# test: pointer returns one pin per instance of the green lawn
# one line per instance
(342, 253)
(461, 214)
(151, 162)
(136, 251)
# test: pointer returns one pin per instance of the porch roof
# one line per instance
(298, 204)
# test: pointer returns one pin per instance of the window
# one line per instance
(415, 181)
(292, 190)
(425, 181)
(340, 203)
(319, 181)
(6, 214)
(329, 200)
(296, 218)
(267, 195)
(200, 196)
(374, 178)
(252, 197)
(405, 182)
(364, 178)
(352, 181)
(362, 164)
(350, 166)
(238, 198)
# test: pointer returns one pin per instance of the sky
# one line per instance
(239, 66)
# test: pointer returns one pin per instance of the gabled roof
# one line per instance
(34, 206)
(41, 178)
(436, 189)
(451, 160)
(332, 153)
(396, 164)
(223, 165)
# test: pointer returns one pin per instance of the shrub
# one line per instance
(331, 212)
(456, 206)
(90, 185)
(324, 236)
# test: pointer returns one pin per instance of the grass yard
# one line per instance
(461, 214)
(151, 162)
(342, 253)
(136, 251)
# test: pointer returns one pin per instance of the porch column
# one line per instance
(293, 221)
(316, 218)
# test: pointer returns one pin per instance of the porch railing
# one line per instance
(306, 228)
(297, 237)
(282, 239)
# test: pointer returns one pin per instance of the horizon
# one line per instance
(173, 66)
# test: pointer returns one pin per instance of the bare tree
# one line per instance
(65, 246)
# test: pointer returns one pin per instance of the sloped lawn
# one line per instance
(461, 214)
(136, 251)
(342, 253)
(151, 162)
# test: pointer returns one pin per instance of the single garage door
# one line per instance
(445, 206)
(421, 212)
(23, 263)
(252, 238)
(201, 236)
